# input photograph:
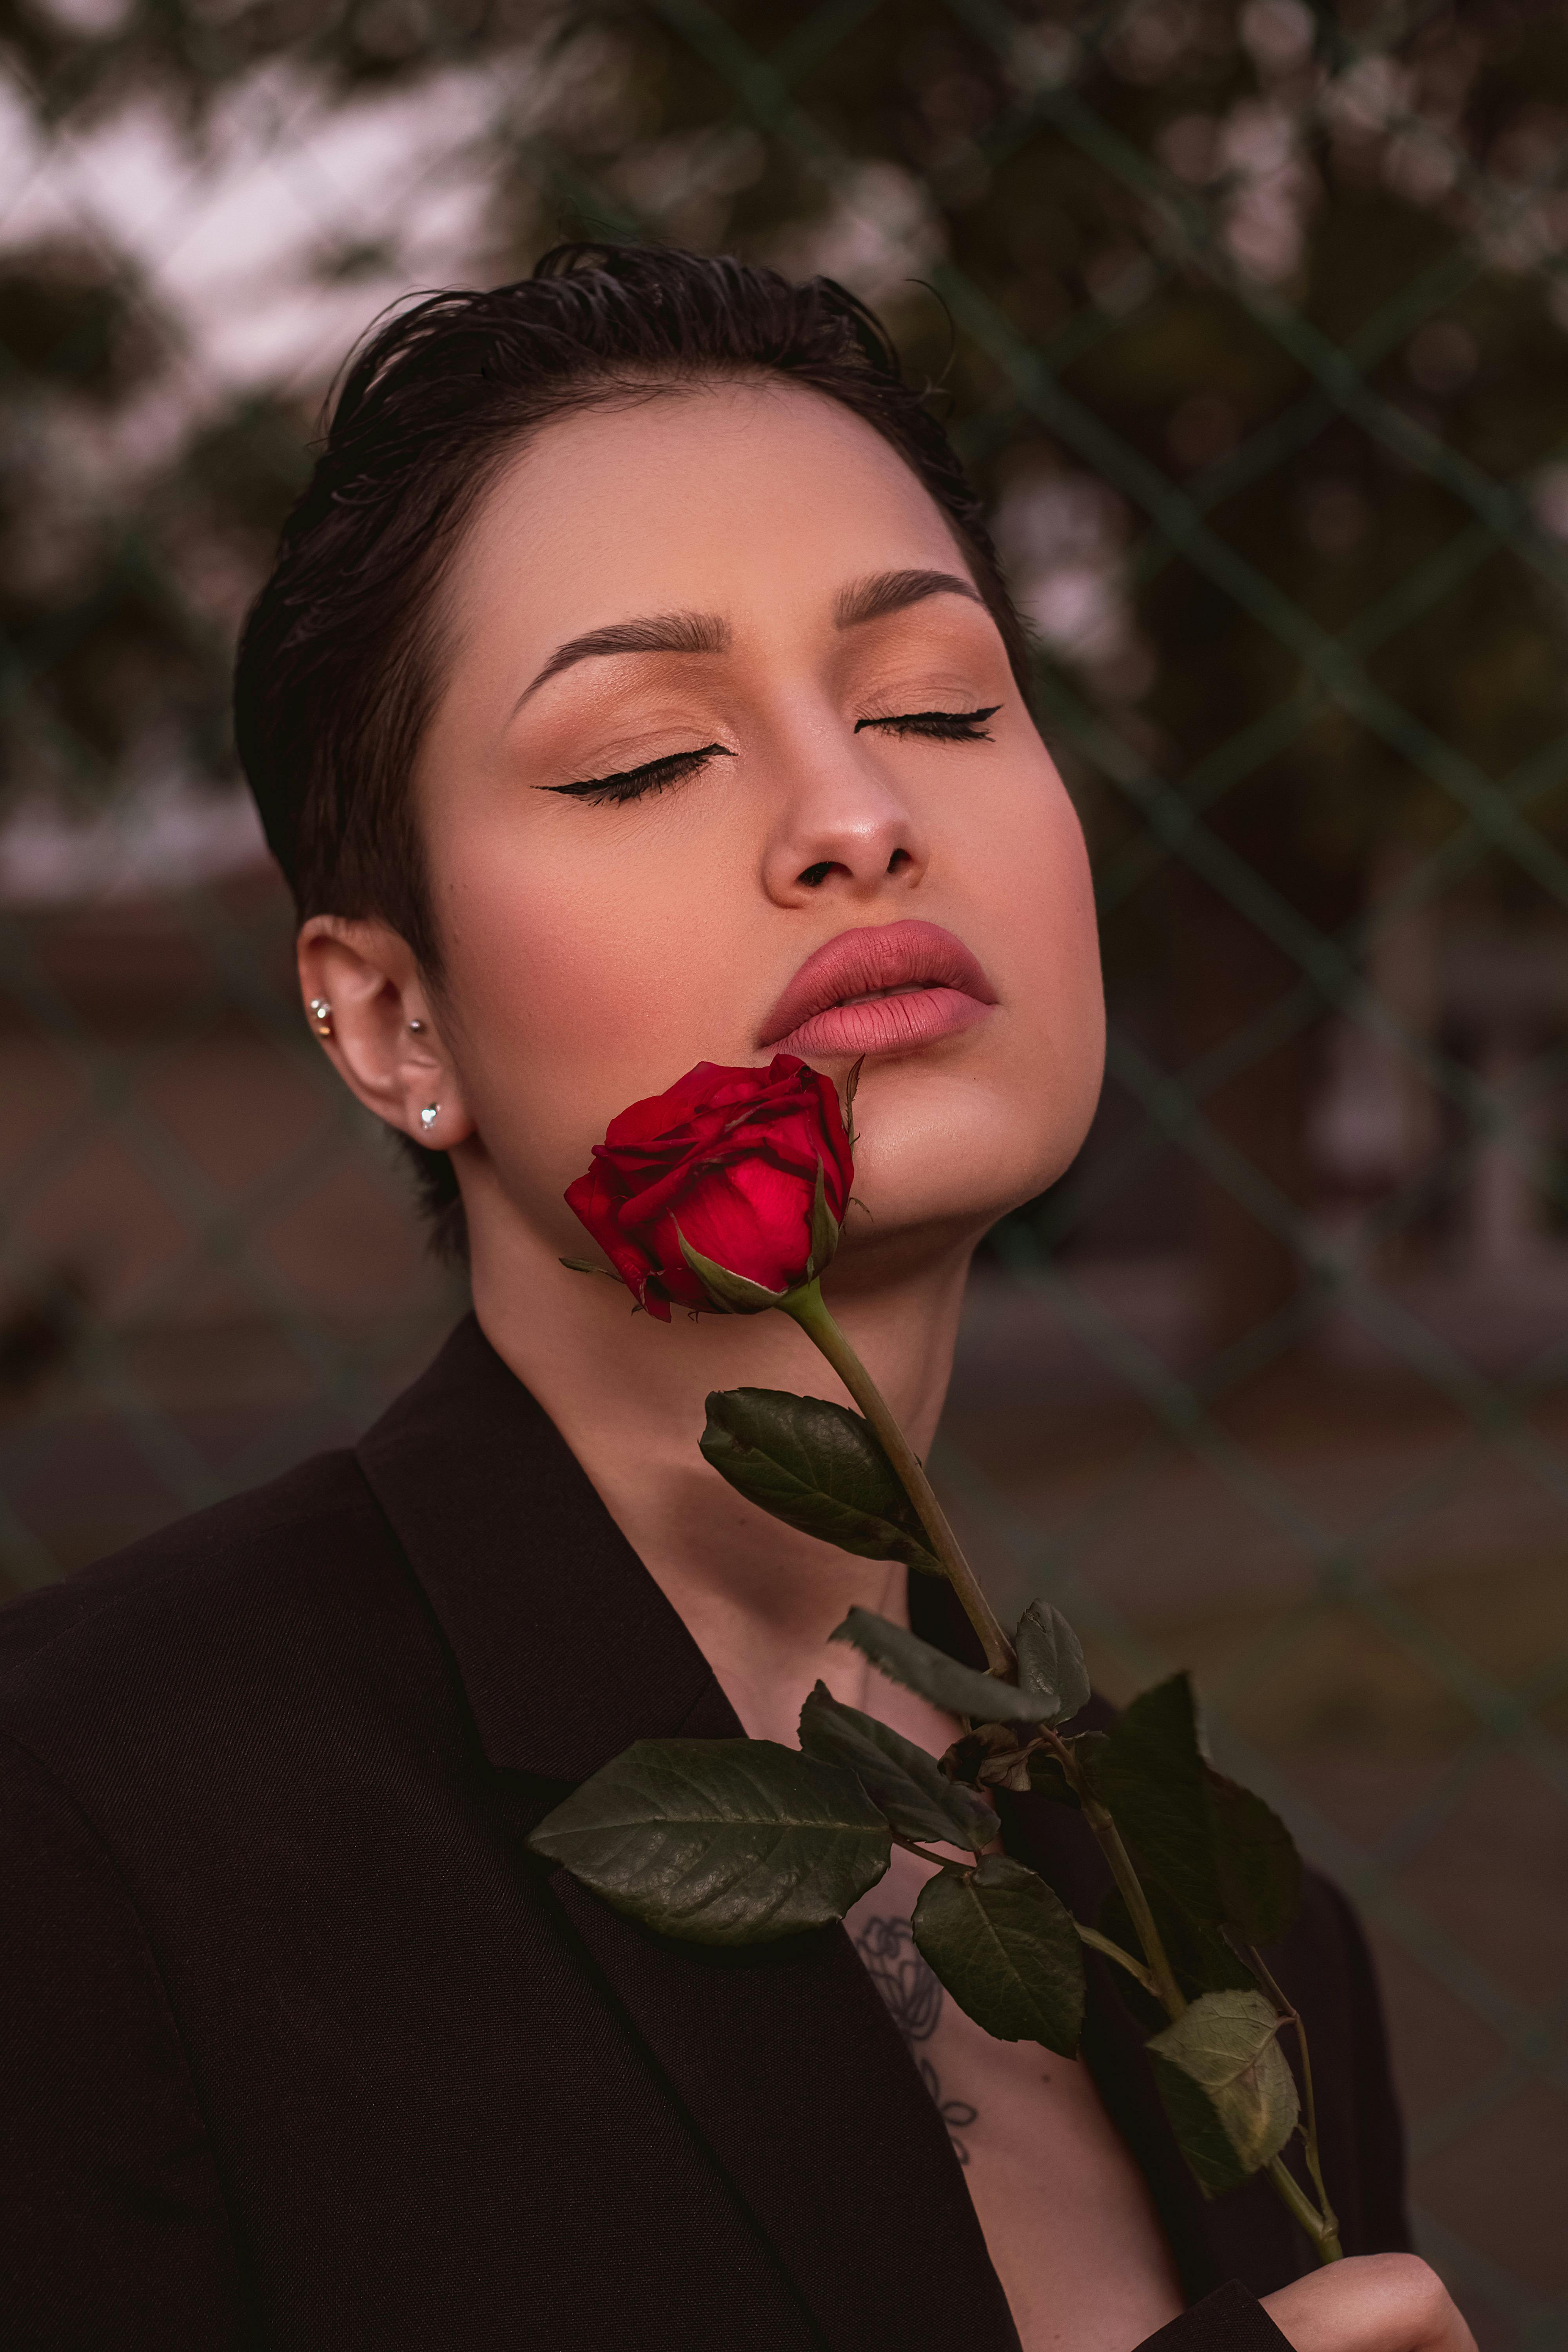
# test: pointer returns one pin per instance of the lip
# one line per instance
(886, 988)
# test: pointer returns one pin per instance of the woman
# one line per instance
(636, 686)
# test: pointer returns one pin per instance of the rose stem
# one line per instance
(923, 1853)
(1323, 2234)
(1129, 1884)
(810, 1310)
(1099, 1943)
(1321, 2228)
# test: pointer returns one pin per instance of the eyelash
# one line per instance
(609, 791)
(941, 726)
(657, 775)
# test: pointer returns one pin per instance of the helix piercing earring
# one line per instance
(427, 1116)
(321, 1014)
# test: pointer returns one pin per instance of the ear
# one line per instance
(379, 1029)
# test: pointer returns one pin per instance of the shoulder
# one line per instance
(202, 1564)
(220, 1611)
(106, 2151)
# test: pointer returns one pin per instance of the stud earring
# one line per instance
(427, 1116)
(415, 1027)
(321, 1014)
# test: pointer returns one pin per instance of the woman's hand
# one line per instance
(1370, 2302)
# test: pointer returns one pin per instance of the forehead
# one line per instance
(744, 498)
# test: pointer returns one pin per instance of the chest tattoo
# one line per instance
(914, 1997)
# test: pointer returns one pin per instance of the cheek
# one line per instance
(1029, 871)
(1063, 933)
(581, 983)
(1060, 1002)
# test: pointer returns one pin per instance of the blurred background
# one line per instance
(1252, 321)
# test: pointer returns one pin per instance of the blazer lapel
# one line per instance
(783, 2055)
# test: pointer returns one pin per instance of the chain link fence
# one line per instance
(1252, 323)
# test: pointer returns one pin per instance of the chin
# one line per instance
(940, 1156)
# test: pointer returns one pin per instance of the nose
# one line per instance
(842, 828)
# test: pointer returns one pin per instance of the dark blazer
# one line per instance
(299, 2049)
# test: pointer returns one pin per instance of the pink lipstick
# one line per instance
(884, 989)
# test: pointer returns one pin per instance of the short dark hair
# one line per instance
(339, 658)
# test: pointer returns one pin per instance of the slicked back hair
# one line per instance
(340, 659)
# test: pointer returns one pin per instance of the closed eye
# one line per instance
(657, 775)
(653, 776)
(941, 726)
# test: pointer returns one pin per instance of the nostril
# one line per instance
(815, 874)
(899, 857)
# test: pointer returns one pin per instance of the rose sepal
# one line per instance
(825, 1227)
(730, 1294)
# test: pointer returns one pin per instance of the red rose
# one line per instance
(730, 1160)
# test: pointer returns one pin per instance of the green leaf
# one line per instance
(818, 1468)
(1229, 2094)
(1217, 1849)
(1260, 1868)
(907, 1786)
(960, 1689)
(720, 1841)
(730, 1294)
(1152, 1777)
(1006, 1949)
(1050, 1661)
(1209, 1843)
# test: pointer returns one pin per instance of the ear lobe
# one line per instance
(379, 1032)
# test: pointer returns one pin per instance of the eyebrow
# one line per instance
(659, 633)
(872, 598)
(892, 592)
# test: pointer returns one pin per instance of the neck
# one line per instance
(627, 1394)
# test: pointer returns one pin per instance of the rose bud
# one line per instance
(723, 1193)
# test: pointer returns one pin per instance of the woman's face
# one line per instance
(720, 694)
